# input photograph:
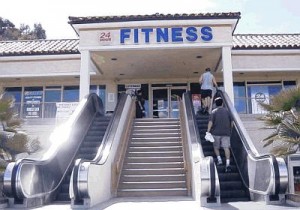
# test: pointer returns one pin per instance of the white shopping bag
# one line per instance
(209, 137)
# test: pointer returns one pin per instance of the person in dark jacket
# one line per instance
(219, 125)
(139, 104)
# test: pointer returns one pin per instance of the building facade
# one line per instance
(163, 55)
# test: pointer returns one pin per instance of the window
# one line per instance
(239, 91)
(71, 94)
(16, 93)
(52, 96)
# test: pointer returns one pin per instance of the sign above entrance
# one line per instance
(149, 35)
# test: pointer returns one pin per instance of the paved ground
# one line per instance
(179, 204)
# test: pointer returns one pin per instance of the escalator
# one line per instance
(231, 184)
(78, 138)
(87, 151)
(253, 176)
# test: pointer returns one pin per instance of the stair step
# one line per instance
(153, 165)
(155, 135)
(154, 148)
(160, 130)
(154, 143)
(156, 139)
(155, 154)
(149, 177)
(153, 159)
(153, 171)
(152, 185)
(152, 192)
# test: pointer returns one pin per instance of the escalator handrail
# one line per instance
(103, 151)
(13, 187)
(250, 148)
(212, 193)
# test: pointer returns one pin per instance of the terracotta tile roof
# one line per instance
(157, 16)
(266, 41)
(39, 47)
(70, 46)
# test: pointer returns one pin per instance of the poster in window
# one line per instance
(259, 94)
(33, 104)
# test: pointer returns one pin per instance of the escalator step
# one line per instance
(93, 138)
(227, 200)
(95, 133)
(63, 197)
(231, 185)
(88, 150)
(233, 194)
(65, 187)
(221, 168)
(91, 144)
(88, 156)
(229, 176)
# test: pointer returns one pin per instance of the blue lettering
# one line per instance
(147, 32)
(136, 35)
(162, 34)
(206, 32)
(125, 34)
(191, 33)
(177, 35)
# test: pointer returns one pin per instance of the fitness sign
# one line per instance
(150, 35)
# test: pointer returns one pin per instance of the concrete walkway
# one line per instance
(168, 204)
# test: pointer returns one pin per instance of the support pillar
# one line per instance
(84, 86)
(227, 72)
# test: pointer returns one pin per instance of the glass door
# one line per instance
(166, 101)
(160, 103)
(175, 98)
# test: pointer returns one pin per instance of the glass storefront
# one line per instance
(247, 96)
(41, 102)
(161, 101)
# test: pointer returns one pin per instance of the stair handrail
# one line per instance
(79, 191)
(278, 180)
(48, 179)
(210, 187)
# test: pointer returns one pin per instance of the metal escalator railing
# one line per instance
(91, 181)
(204, 166)
(38, 179)
(263, 174)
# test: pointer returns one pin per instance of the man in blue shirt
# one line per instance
(207, 82)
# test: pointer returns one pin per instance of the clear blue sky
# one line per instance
(257, 16)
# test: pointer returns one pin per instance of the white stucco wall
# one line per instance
(32, 66)
(266, 60)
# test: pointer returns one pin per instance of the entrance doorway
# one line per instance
(166, 100)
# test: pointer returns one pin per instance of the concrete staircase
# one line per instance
(154, 163)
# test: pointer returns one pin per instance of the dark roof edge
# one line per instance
(157, 16)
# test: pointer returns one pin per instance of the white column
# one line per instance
(84, 86)
(227, 72)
